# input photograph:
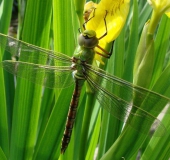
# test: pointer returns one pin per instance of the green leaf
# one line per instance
(5, 107)
(2, 155)
(28, 95)
(132, 46)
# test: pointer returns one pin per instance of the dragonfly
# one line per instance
(56, 70)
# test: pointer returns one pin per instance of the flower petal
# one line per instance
(114, 13)
(160, 6)
(117, 11)
(168, 14)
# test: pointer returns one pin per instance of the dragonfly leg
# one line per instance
(108, 54)
(101, 54)
(89, 19)
(105, 26)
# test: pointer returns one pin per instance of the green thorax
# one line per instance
(84, 53)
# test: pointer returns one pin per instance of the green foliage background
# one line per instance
(32, 118)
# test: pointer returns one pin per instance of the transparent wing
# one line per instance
(48, 76)
(29, 52)
(127, 102)
(45, 67)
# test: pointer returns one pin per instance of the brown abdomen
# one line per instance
(71, 116)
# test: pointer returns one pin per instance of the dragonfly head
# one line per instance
(88, 39)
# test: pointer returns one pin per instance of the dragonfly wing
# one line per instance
(48, 76)
(31, 52)
(124, 100)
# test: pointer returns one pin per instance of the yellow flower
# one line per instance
(115, 19)
(161, 6)
(117, 11)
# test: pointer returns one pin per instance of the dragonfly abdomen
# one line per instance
(71, 114)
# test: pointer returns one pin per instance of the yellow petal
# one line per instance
(117, 11)
(160, 6)
(168, 14)
(114, 13)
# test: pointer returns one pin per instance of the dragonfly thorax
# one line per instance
(88, 39)
(78, 68)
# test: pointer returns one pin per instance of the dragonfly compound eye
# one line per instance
(88, 39)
